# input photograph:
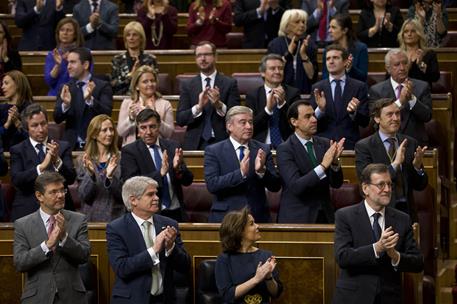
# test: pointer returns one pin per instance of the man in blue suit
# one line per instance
(99, 22)
(308, 166)
(340, 102)
(38, 19)
(144, 248)
(238, 169)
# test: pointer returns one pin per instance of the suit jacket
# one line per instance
(257, 100)
(79, 115)
(3, 171)
(362, 275)
(136, 160)
(189, 97)
(412, 120)
(24, 160)
(132, 263)
(104, 36)
(37, 29)
(52, 278)
(258, 32)
(231, 191)
(335, 127)
(303, 192)
(371, 150)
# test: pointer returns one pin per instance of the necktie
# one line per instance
(275, 133)
(338, 100)
(241, 148)
(51, 224)
(155, 269)
(82, 123)
(392, 150)
(165, 195)
(312, 156)
(94, 5)
(323, 23)
(40, 154)
(207, 128)
(398, 91)
(376, 227)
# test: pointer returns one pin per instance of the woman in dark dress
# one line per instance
(18, 94)
(379, 24)
(423, 61)
(99, 172)
(9, 57)
(244, 271)
(300, 52)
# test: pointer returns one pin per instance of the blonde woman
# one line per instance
(144, 95)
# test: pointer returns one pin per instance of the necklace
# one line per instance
(154, 37)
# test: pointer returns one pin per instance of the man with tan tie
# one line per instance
(144, 248)
(49, 246)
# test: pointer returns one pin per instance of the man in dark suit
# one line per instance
(374, 244)
(49, 246)
(99, 22)
(399, 152)
(271, 101)
(238, 169)
(341, 102)
(38, 20)
(33, 157)
(308, 166)
(81, 99)
(144, 248)
(412, 96)
(160, 159)
(260, 20)
(204, 100)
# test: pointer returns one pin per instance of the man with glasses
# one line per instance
(204, 101)
(374, 244)
(399, 152)
(49, 246)
(34, 156)
(160, 159)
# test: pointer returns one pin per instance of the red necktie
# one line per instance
(323, 23)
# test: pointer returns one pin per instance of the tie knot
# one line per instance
(376, 216)
(39, 146)
(208, 82)
(146, 225)
(51, 219)
(337, 81)
(80, 84)
(391, 140)
(242, 148)
(154, 147)
(309, 144)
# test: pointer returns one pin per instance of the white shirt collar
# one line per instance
(44, 216)
(140, 221)
(34, 143)
(331, 78)
(212, 76)
(394, 84)
(236, 144)
(303, 140)
(371, 211)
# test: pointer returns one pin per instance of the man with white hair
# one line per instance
(144, 248)
(412, 96)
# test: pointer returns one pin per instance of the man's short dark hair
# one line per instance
(263, 61)
(292, 112)
(368, 171)
(337, 47)
(84, 54)
(379, 104)
(212, 45)
(147, 114)
(33, 109)
(46, 178)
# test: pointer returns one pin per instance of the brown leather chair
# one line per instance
(178, 80)
(8, 196)
(234, 40)
(165, 87)
(178, 134)
(73, 189)
(197, 202)
(273, 199)
(346, 195)
(55, 131)
(207, 292)
(445, 84)
(247, 82)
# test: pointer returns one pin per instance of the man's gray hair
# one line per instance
(135, 186)
(263, 62)
(392, 52)
(235, 111)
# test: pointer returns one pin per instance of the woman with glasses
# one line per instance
(99, 172)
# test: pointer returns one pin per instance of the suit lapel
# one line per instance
(31, 152)
(330, 108)
(301, 154)
(363, 224)
(381, 152)
(146, 156)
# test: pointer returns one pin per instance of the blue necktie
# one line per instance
(376, 228)
(40, 154)
(166, 201)
(338, 100)
(275, 134)
(241, 148)
(207, 128)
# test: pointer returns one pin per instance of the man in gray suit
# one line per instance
(99, 22)
(49, 245)
(412, 96)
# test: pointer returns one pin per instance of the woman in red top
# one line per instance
(209, 20)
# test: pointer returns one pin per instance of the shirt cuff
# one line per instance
(90, 101)
(195, 112)
(258, 13)
(412, 102)
(320, 172)
(58, 164)
(398, 103)
(154, 257)
(62, 242)
(222, 111)
(318, 113)
(36, 10)
(268, 111)
(89, 28)
(38, 170)
(375, 253)
(44, 247)
(65, 108)
(398, 262)
(168, 252)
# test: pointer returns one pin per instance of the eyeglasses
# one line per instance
(382, 185)
(58, 191)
